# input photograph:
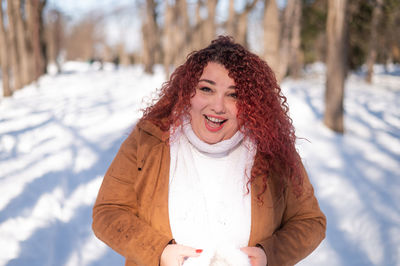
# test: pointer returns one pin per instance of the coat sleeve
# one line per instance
(115, 213)
(302, 229)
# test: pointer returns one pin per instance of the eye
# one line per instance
(233, 95)
(205, 89)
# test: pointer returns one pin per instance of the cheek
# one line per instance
(233, 109)
(197, 103)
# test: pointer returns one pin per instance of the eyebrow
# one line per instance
(213, 83)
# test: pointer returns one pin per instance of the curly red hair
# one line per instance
(262, 109)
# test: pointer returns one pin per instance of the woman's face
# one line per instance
(213, 107)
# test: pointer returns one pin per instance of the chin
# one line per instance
(212, 140)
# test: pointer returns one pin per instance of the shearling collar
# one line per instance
(153, 130)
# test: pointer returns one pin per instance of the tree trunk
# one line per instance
(296, 55)
(12, 33)
(197, 30)
(186, 31)
(272, 30)
(372, 51)
(336, 66)
(5, 67)
(242, 25)
(29, 41)
(176, 46)
(150, 38)
(54, 33)
(210, 27)
(285, 42)
(22, 42)
(36, 35)
(181, 25)
(168, 38)
(230, 23)
(237, 23)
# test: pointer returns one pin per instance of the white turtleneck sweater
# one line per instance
(209, 205)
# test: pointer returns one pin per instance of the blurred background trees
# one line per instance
(287, 34)
(23, 57)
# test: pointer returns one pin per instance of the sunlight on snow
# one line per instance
(49, 208)
(60, 137)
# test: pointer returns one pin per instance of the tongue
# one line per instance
(214, 124)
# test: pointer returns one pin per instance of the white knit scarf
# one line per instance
(209, 205)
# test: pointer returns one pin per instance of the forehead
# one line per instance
(217, 73)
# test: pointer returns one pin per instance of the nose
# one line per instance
(218, 104)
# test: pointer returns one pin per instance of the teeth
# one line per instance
(215, 120)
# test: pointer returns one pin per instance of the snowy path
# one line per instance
(57, 140)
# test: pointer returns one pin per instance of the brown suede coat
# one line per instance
(131, 211)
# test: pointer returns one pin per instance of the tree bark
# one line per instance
(12, 33)
(186, 29)
(181, 41)
(296, 55)
(151, 41)
(237, 23)
(372, 51)
(168, 38)
(210, 26)
(35, 8)
(285, 51)
(230, 23)
(5, 67)
(272, 30)
(243, 19)
(336, 67)
(196, 34)
(176, 46)
(23, 47)
(54, 36)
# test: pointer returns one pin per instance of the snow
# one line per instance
(58, 137)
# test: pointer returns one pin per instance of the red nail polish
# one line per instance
(199, 250)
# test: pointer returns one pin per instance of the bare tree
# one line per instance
(195, 37)
(34, 10)
(150, 33)
(175, 46)
(296, 54)
(237, 23)
(185, 28)
(209, 25)
(230, 23)
(202, 30)
(12, 33)
(54, 36)
(191, 36)
(336, 67)
(168, 41)
(272, 29)
(290, 37)
(372, 51)
(22, 42)
(5, 67)
(83, 37)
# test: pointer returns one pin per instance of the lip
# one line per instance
(210, 128)
(217, 117)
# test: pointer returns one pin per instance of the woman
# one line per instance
(210, 175)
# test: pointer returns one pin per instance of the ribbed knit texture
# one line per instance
(209, 207)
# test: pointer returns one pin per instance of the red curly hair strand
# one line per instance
(262, 109)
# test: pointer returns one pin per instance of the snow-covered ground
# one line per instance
(58, 137)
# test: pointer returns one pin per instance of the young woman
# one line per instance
(210, 174)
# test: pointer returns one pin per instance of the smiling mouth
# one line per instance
(214, 124)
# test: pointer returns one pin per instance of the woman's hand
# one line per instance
(256, 255)
(175, 255)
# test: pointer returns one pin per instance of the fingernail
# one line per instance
(199, 250)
